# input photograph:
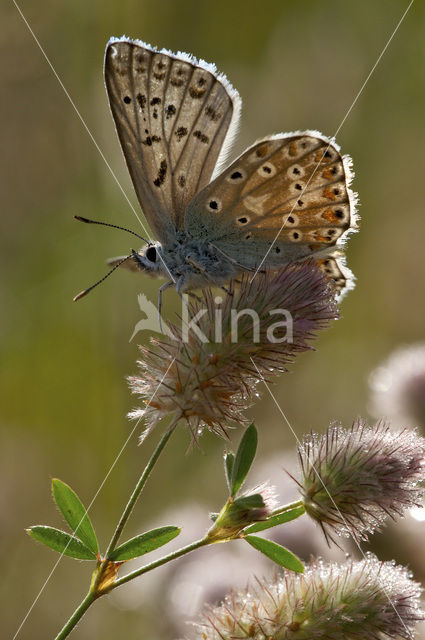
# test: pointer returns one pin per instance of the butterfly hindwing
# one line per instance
(285, 198)
(173, 115)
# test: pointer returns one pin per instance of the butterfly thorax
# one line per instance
(193, 262)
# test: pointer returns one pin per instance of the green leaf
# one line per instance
(229, 459)
(244, 458)
(74, 513)
(61, 541)
(253, 501)
(292, 514)
(275, 552)
(145, 542)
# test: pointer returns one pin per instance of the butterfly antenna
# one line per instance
(108, 224)
(86, 291)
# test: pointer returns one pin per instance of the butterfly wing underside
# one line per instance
(285, 198)
(173, 116)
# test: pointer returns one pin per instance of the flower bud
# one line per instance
(242, 511)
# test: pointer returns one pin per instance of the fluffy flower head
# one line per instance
(353, 479)
(352, 601)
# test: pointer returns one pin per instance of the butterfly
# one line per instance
(286, 198)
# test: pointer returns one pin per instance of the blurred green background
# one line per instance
(64, 397)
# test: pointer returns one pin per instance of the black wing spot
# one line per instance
(243, 220)
(298, 186)
(127, 99)
(300, 203)
(150, 139)
(295, 235)
(161, 174)
(181, 181)
(212, 113)
(176, 82)
(290, 219)
(141, 99)
(201, 136)
(336, 192)
(327, 154)
(296, 171)
(155, 101)
(248, 236)
(213, 205)
(236, 175)
(181, 132)
(339, 213)
(170, 111)
(277, 249)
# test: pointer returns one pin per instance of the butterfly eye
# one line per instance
(151, 254)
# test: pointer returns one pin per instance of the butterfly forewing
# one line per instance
(172, 116)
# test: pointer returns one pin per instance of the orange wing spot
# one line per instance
(319, 156)
(314, 247)
(322, 238)
(262, 151)
(328, 174)
(292, 149)
(330, 215)
(329, 194)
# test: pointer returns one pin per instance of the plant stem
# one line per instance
(76, 616)
(92, 595)
(288, 507)
(157, 563)
(138, 489)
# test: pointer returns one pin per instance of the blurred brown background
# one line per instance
(63, 392)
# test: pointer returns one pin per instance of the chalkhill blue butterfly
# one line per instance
(286, 198)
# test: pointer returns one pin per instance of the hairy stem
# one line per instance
(76, 616)
(138, 489)
(157, 563)
(94, 593)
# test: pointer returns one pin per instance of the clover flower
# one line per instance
(353, 479)
(350, 601)
(207, 372)
(398, 386)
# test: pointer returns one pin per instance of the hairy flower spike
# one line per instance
(351, 601)
(353, 479)
(206, 375)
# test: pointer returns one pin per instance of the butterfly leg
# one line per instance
(179, 287)
(162, 288)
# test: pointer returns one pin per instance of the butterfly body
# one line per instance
(285, 198)
(187, 261)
